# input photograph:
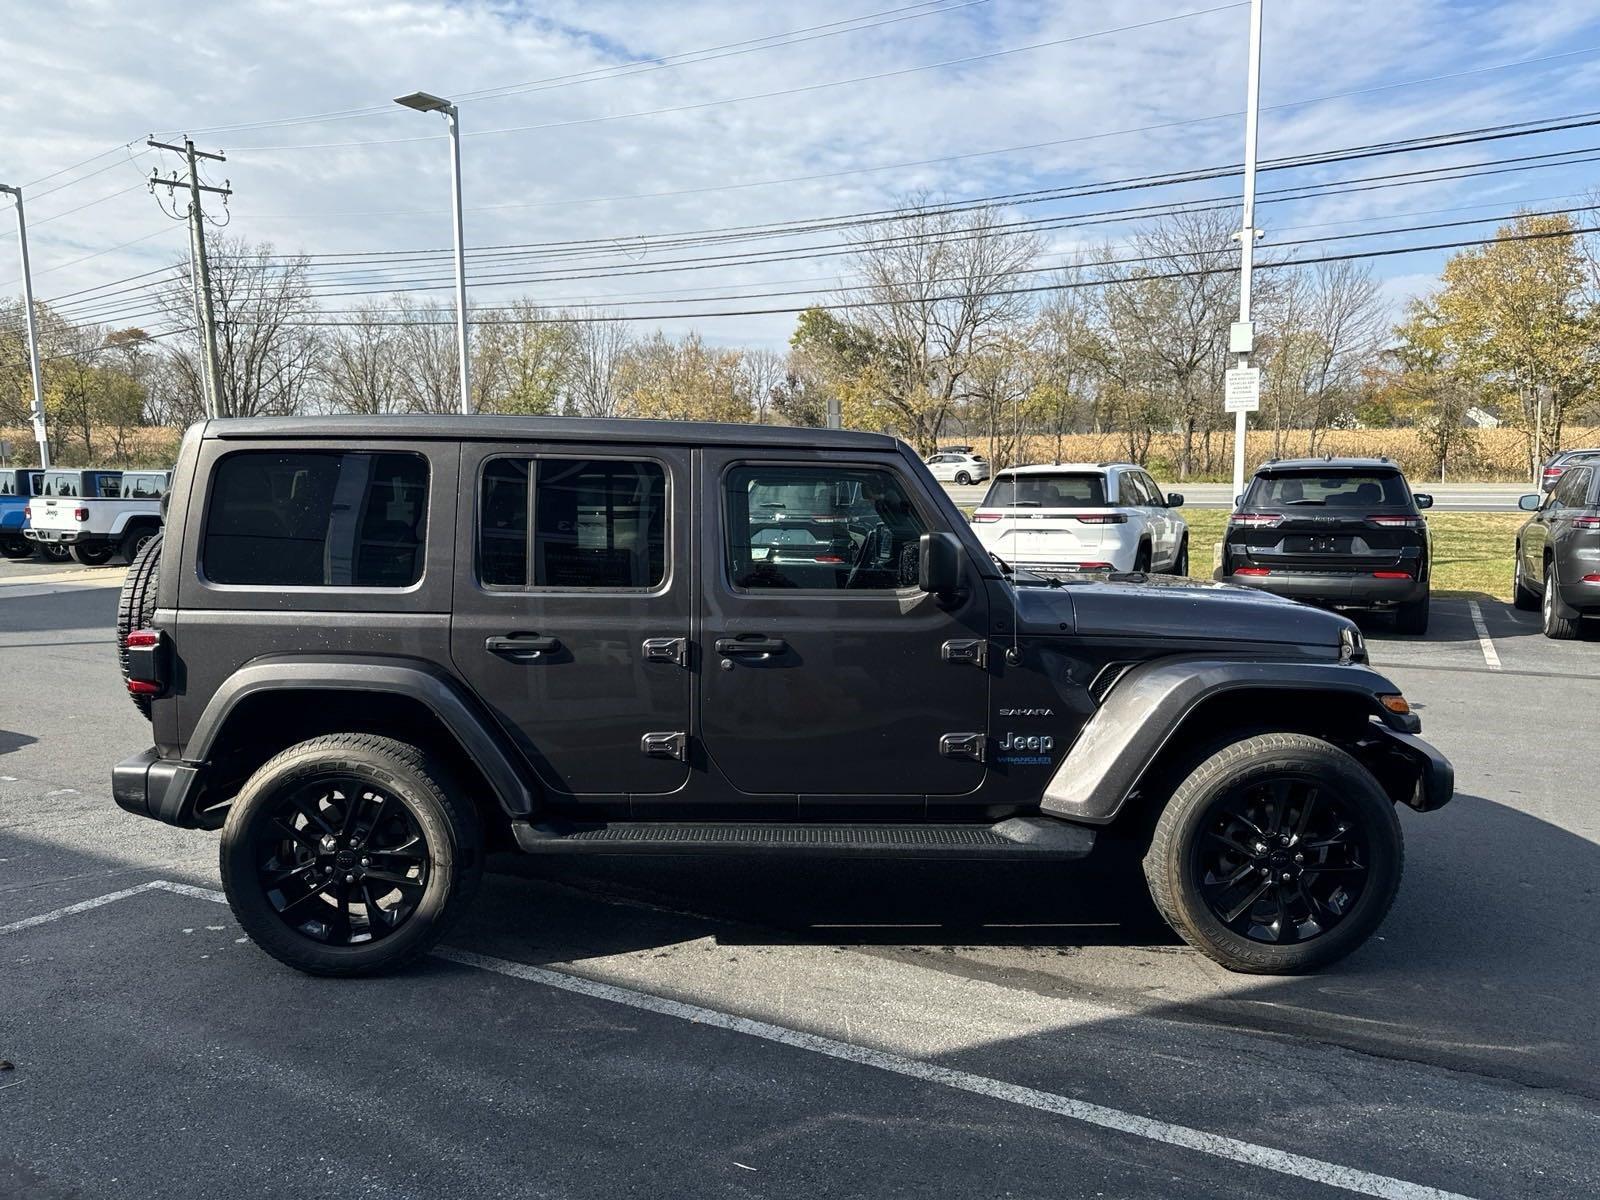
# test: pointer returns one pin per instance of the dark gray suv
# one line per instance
(1558, 551)
(372, 651)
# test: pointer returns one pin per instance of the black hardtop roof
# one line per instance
(486, 427)
(1328, 464)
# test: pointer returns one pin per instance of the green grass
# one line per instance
(1472, 552)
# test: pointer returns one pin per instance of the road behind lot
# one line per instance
(928, 1029)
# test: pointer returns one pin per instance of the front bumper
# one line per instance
(166, 789)
(1408, 767)
(1339, 589)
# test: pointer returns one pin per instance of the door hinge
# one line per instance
(667, 649)
(963, 745)
(665, 745)
(972, 651)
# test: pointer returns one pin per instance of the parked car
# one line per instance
(1076, 517)
(1558, 551)
(380, 691)
(1347, 533)
(17, 486)
(959, 466)
(97, 513)
(1560, 461)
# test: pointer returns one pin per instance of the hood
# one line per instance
(1167, 607)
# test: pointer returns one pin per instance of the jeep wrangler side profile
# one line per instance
(372, 650)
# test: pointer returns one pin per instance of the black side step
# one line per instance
(1031, 837)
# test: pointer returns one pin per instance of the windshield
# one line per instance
(1332, 488)
(1063, 489)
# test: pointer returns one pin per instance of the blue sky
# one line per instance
(578, 163)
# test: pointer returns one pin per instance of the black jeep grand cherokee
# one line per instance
(1343, 532)
(371, 650)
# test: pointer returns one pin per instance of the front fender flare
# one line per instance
(1150, 703)
(402, 677)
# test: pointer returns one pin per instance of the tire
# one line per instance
(1180, 565)
(963, 479)
(53, 551)
(267, 864)
(92, 554)
(1141, 559)
(16, 548)
(1351, 824)
(1556, 626)
(1522, 597)
(1412, 617)
(137, 605)
(136, 539)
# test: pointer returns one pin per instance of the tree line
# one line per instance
(950, 324)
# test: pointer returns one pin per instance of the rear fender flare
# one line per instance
(476, 738)
(1148, 707)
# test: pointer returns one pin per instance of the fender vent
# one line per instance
(1101, 685)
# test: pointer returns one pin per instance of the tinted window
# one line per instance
(1336, 489)
(8, 484)
(108, 486)
(1152, 493)
(1048, 490)
(820, 527)
(1573, 490)
(62, 483)
(317, 519)
(142, 487)
(589, 523)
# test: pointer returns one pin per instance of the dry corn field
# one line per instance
(1495, 455)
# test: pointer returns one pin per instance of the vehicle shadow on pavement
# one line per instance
(10, 740)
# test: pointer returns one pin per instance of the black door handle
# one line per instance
(751, 645)
(521, 645)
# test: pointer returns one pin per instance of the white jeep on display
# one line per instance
(1078, 517)
(97, 513)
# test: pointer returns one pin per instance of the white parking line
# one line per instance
(1490, 655)
(1300, 1166)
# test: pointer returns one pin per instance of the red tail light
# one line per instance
(829, 558)
(981, 518)
(1393, 522)
(1591, 578)
(144, 637)
(1251, 571)
(80, 514)
(140, 687)
(1101, 518)
(1586, 522)
(1552, 473)
(27, 512)
(1253, 520)
(1094, 566)
(1391, 574)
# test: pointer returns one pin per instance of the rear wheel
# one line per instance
(136, 539)
(1278, 854)
(53, 551)
(1180, 565)
(1555, 625)
(92, 554)
(1141, 560)
(15, 547)
(1522, 596)
(349, 854)
(1412, 617)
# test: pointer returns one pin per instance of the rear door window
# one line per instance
(317, 519)
(1331, 489)
(1065, 489)
(1573, 490)
(585, 523)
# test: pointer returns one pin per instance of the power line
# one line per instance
(793, 91)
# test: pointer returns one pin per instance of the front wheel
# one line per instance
(1180, 565)
(1278, 854)
(349, 854)
(1555, 625)
(963, 479)
(92, 554)
(53, 551)
(1522, 596)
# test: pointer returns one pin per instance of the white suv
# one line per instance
(1083, 517)
(959, 467)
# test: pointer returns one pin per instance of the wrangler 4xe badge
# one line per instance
(1026, 750)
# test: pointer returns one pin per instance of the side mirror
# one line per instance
(1174, 499)
(1423, 499)
(1238, 501)
(1530, 503)
(939, 563)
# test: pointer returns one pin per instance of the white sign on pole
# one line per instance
(1242, 391)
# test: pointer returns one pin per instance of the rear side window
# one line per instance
(317, 519)
(584, 523)
(142, 487)
(1335, 489)
(1052, 490)
(1573, 490)
(108, 487)
(8, 484)
(62, 483)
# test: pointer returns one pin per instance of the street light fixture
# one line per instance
(427, 103)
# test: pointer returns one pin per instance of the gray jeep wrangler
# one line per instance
(371, 651)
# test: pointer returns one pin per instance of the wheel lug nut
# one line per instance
(1266, 871)
(366, 862)
(1287, 877)
(352, 878)
(1299, 858)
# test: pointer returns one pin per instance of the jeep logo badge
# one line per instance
(1034, 743)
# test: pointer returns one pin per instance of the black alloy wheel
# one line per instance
(53, 551)
(1281, 861)
(91, 554)
(342, 861)
(963, 479)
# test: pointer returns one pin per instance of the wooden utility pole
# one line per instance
(200, 275)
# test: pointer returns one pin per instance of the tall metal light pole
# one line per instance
(1241, 338)
(40, 434)
(423, 102)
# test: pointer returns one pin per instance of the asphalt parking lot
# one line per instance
(685, 1027)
